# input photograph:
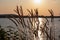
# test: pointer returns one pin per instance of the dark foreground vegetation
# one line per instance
(26, 29)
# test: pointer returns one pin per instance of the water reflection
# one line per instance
(42, 24)
(45, 31)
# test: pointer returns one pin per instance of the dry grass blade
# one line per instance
(30, 22)
(24, 23)
(17, 11)
(13, 21)
(21, 10)
(52, 14)
(52, 21)
(36, 11)
(32, 12)
(46, 33)
(16, 20)
(29, 26)
(29, 11)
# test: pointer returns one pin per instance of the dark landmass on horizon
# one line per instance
(16, 16)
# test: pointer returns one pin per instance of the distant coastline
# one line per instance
(16, 16)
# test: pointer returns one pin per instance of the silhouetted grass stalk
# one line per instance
(30, 26)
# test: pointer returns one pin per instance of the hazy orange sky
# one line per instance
(7, 6)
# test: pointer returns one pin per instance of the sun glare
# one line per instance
(37, 1)
(40, 20)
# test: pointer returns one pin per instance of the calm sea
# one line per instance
(6, 22)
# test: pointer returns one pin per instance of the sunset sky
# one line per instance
(7, 6)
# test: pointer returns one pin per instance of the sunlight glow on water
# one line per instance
(39, 31)
(39, 35)
(40, 20)
(5, 22)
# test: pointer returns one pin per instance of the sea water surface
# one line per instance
(6, 22)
